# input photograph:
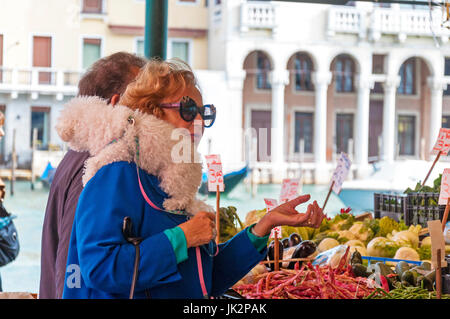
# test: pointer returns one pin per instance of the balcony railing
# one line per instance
(258, 15)
(386, 21)
(39, 80)
(346, 20)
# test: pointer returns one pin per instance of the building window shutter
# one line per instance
(180, 49)
(92, 6)
(91, 51)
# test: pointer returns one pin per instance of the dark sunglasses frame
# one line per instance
(189, 110)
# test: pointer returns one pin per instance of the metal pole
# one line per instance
(33, 157)
(13, 164)
(155, 44)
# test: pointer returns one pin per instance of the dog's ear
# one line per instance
(89, 123)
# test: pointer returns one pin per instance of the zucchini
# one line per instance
(431, 276)
(401, 267)
(408, 277)
(359, 270)
(424, 283)
(384, 270)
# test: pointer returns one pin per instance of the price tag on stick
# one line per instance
(275, 233)
(215, 178)
(271, 204)
(339, 176)
(215, 184)
(445, 187)
(341, 172)
(289, 189)
(444, 195)
(213, 159)
(442, 145)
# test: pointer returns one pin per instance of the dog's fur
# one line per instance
(109, 134)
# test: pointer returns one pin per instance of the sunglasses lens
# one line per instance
(188, 110)
(209, 115)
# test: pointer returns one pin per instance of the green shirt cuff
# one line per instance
(178, 241)
(259, 242)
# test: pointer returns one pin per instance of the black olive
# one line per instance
(271, 254)
(295, 239)
(285, 243)
(303, 250)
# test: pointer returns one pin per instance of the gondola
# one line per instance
(231, 180)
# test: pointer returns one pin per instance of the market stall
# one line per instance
(398, 252)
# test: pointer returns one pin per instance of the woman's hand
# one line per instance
(285, 214)
(200, 230)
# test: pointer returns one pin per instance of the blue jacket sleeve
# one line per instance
(106, 258)
(235, 259)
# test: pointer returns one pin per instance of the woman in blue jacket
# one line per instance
(138, 170)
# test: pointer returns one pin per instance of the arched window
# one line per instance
(302, 73)
(262, 73)
(344, 70)
(407, 77)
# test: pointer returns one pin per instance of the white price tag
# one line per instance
(443, 142)
(341, 172)
(275, 230)
(212, 159)
(445, 187)
(215, 177)
(271, 204)
(289, 189)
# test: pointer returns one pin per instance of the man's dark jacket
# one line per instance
(62, 202)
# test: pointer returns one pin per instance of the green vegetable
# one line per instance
(426, 189)
(424, 282)
(431, 276)
(373, 224)
(384, 270)
(382, 247)
(404, 292)
(359, 270)
(230, 224)
(387, 225)
(424, 252)
(408, 277)
(401, 267)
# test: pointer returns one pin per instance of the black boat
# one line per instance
(231, 180)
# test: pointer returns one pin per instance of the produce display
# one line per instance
(382, 237)
(309, 282)
(328, 262)
(333, 266)
(426, 189)
(405, 293)
(230, 224)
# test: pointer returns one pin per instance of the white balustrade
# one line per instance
(346, 20)
(258, 15)
(400, 22)
(39, 80)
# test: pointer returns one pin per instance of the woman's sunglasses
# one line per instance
(189, 110)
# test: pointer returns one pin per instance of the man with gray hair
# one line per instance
(107, 78)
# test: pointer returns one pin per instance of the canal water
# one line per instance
(29, 207)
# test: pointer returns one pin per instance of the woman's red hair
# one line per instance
(157, 81)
